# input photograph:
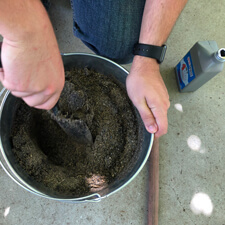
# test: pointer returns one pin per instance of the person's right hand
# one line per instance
(32, 66)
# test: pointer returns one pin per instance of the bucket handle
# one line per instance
(90, 199)
(97, 198)
(2, 91)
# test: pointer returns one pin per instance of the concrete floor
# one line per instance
(192, 157)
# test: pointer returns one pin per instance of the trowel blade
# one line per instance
(77, 129)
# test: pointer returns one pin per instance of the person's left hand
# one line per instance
(147, 91)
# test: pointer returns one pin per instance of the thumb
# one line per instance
(147, 118)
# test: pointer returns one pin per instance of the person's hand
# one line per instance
(32, 64)
(147, 91)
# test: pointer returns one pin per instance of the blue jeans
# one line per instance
(110, 28)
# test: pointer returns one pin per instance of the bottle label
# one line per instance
(185, 71)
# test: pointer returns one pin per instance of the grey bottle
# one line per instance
(204, 61)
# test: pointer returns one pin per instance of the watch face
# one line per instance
(163, 53)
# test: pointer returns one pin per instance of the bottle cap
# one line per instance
(220, 55)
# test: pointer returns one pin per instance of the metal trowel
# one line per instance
(75, 128)
(71, 117)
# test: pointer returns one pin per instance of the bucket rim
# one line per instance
(95, 197)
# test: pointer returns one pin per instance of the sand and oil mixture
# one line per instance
(56, 160)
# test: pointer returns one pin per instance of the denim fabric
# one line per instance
(109, 27)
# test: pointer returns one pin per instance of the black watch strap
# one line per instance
(151, 51)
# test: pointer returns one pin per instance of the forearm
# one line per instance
(158, 20)
(145, 85)
(32, 65)
(20, 19)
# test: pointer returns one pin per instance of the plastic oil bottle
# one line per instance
(199, 65)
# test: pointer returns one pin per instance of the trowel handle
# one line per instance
(55, 109)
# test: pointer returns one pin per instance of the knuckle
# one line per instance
(8, 85)
(148, 117)
(165, 129)
(29, 103)
(47, 105)
(161, 132)
(164, 132)
(15, 87)
(166, 105)
(50, 90)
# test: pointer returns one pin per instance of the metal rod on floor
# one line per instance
(153, 201)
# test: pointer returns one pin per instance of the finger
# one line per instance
(161, 120)
(36, 99)
(21, 94)
(49, 104)
(147, 117)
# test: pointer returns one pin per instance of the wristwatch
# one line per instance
(151, 51)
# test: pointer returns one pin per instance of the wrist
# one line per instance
(145, 62)
(150, 51)
(151, 39)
